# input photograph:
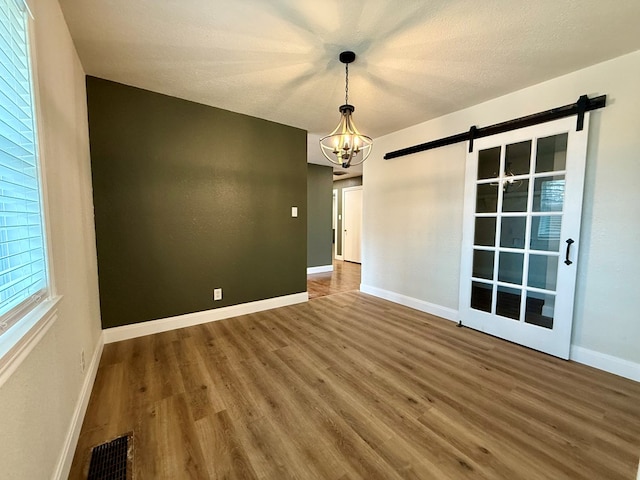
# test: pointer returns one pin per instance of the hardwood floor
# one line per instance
(344, 278)
(349, 386)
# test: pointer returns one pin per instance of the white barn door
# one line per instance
(521, 234)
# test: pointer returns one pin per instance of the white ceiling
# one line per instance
(278, 59)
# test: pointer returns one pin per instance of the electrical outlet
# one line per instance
(217, 294)
(83, 365)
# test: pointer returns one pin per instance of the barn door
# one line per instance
(523, 205)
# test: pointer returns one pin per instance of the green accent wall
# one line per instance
(189, 198)
(319, 208)
(340, 185)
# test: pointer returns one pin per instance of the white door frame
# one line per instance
(342, 229)
(335, 224)
(556, 341)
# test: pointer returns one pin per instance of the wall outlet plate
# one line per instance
(217, 294)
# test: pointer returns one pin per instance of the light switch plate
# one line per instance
(294, 211)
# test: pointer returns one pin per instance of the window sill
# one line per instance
(17, 342)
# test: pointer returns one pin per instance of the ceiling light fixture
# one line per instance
(509, 184)
(346, 146)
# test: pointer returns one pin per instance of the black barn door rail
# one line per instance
(584, 104)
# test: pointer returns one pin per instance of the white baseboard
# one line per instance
(64, 463)
(320, 269)
(339, 257)
(431, 308)
(603, 361)
(126, 332)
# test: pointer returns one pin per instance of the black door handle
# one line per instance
(569, 242)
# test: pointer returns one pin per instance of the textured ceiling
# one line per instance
(278, 59)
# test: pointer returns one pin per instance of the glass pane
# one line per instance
(513, 232)
(487, 198)
(540, 309)
(22, 247)
(485, 232)
(481, 295)
(552, 153)
(508, 302)
(545, 232)
(510, 267)
(514, 198)
(488, 163)
(483, 264)
(517, 158)
(543, 271)
(548, 194)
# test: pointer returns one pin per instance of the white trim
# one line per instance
(320, 269)
(64, 462)
(126, 332)
(417, 304)
(603, 361)
(339, 257)
(40, 146)
(18, 342)
(334, 221)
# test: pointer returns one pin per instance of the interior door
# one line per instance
(352, 218)
(334, 220)
(522, 212)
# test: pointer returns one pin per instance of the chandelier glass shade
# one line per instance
(346, 146)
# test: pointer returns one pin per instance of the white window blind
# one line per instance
(551, 200)
(23, 275)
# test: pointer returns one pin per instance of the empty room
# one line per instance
(278, 239)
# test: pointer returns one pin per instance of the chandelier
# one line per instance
(346, 146)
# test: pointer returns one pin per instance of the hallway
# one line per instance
(344, 278)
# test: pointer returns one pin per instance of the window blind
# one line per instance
(551, 200)
(23, 275)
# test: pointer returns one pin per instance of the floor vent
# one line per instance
(111, 460)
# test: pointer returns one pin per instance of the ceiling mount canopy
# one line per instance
(346, 146)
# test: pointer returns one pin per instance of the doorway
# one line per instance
(352, 224)
(334, 224)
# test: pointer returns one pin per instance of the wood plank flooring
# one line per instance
(344, 278)
(349, 386)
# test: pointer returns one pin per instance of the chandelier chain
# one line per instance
(345, 146)
(346, 84)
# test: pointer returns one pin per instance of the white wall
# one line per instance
(40, 399)
(413, 206)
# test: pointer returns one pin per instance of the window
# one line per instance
(551, 200)
(23, 266)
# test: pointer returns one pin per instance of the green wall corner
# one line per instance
(189, 198)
